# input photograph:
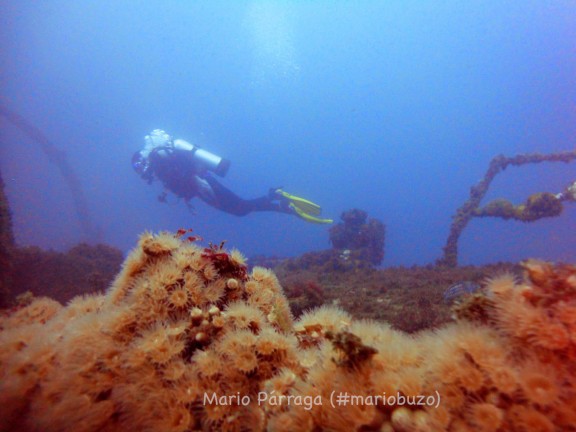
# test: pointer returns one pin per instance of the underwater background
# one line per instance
(392, 107)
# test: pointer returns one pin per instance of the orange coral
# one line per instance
(181, 324)
(485, 417)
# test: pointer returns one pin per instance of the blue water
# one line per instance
(392, 107)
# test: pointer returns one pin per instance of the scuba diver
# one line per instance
(185, 170)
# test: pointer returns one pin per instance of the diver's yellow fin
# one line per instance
(306, 206)
(309, 218)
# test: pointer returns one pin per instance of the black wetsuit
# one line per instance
(180, 174)
(175, 169)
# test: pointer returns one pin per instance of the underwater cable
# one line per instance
(59, 158)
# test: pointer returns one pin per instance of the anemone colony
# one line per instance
(181, 322)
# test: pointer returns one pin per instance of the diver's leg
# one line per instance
(226, 200)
